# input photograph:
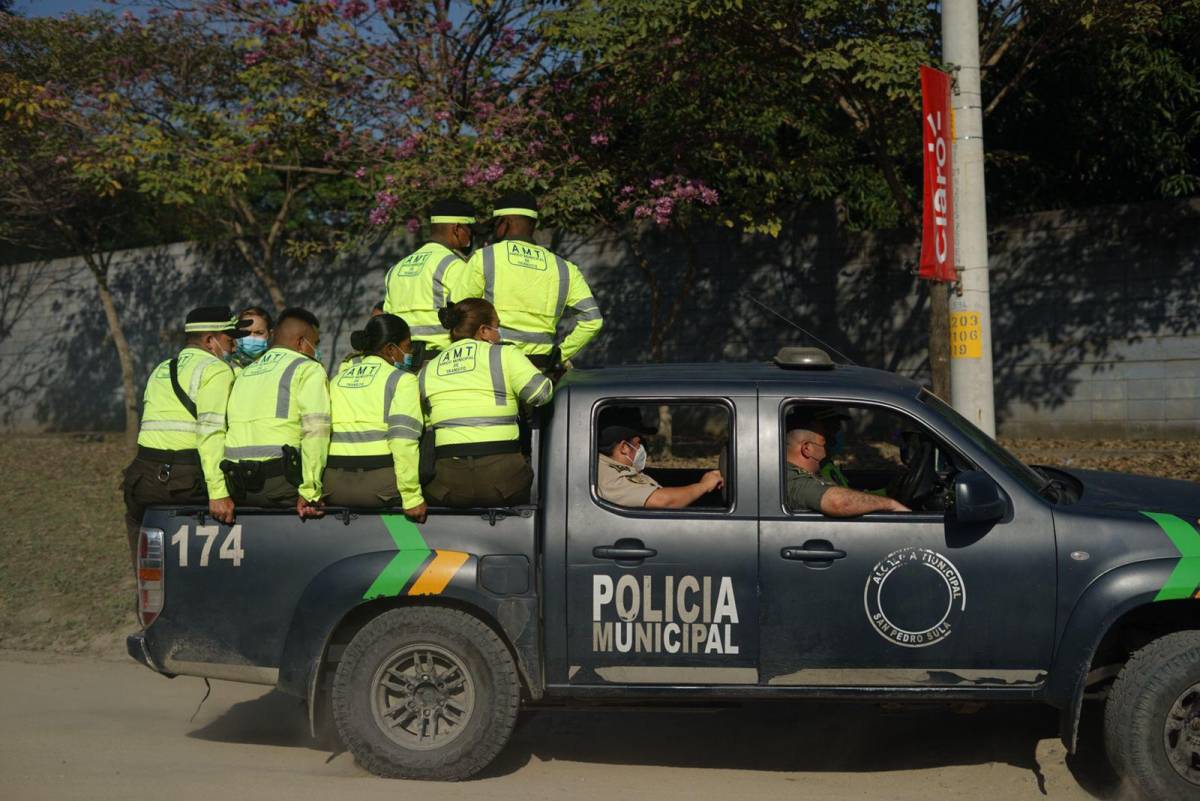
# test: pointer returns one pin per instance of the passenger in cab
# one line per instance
(471, 393)
(807, 490)
(374, 449)
(620, 478)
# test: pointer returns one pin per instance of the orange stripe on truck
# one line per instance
(437, 575)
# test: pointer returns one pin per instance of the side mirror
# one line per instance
(978, 499)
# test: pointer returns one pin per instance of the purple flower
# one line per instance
(708, 196)
(250, 59)
(599, 139)
(641, 212)
(360, 173)
(657, 182)
(441, 116)
(377, 216)
(494, 172)
(413, 225)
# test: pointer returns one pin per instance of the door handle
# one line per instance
(812, 554)
(622, 552)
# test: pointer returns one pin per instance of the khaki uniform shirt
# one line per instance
(804, 490)
(621, 484)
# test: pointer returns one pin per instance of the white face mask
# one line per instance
(639, 459)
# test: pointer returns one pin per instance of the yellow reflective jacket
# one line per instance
(377, 412)
(281, 399)
(420, 284)
(470, 394)
(168, 426)
(532, 289)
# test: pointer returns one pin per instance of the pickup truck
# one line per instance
(1004, 583)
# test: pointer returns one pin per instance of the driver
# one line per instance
(806, 489)
(620, 480)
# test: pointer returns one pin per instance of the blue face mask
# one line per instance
(408, 361)
(318, 355)
(252, 346)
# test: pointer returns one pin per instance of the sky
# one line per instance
(51, 8)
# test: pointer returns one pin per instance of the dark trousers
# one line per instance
(276, 492)
(361, 488)
(150, 483)
(501, 479)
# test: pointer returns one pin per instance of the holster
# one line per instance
(234, 480)
(293, 470)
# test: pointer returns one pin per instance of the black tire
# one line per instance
(1161, 678)
(367, 693)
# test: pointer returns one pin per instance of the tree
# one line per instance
(48, 204)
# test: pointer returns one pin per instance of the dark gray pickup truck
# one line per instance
(1005, 583)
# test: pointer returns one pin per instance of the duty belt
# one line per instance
(477, 449)
(360, 462)
(159, 456)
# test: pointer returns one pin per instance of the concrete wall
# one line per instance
(1095, 312)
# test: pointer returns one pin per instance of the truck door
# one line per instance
(664, 596)
(895, 599)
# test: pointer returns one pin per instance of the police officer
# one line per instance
(279, 421)
(531, 287)
(470, 393)
(432, 277)
(181, 439)
(373, 452)
(620, 478)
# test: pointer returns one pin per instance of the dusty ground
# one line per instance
(95, 730)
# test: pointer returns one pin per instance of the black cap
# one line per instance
(215, 320)
(519, 203)
(452, 210)
(611, 435)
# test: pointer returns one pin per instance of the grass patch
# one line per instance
(65, 579)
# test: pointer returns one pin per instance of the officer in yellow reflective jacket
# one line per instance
(181, 440)
(279, 421)
(432, 277)
(374, 453)
(531, 287)
(471, 393)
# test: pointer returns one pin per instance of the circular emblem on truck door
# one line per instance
(915, 597)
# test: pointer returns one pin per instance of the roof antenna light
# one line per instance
(799, 358)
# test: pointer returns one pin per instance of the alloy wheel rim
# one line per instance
(1181, 734)
(422, 697)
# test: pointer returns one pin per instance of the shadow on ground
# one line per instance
(778, 736)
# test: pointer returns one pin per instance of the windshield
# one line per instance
(1015, 467)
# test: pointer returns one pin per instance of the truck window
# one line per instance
(657, 455)
(877, 450)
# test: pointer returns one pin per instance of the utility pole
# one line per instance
(971, 381)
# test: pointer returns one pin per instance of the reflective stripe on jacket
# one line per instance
(377, 412)
(471, 391)
(532, 289)
(167, 426)
(281, 399)
(420, 284)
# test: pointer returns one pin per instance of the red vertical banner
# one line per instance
(937, 211)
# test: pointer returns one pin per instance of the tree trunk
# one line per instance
(939, 338)
(124, 356)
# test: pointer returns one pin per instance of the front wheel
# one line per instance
(425, 693)
(1152, 719)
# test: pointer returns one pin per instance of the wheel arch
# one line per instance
(1115, 615)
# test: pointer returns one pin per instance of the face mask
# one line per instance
(639, 459)
(407, 361)
(252, 346)
(318, 355)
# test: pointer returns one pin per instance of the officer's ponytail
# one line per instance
(383, 329)
(464, 318)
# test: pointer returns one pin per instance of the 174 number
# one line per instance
(231, 548)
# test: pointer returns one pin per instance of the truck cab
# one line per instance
(1003, 582)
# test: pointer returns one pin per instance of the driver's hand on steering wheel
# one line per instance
(711, 481)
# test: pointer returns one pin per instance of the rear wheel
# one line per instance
(1152, 719)
(425, 693)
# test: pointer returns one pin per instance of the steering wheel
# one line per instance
(919, 481)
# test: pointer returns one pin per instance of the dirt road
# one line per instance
(82, 729)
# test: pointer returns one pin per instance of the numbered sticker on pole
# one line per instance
(966, 335)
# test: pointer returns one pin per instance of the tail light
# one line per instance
(150, 575)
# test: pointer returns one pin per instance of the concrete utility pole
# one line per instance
(971, 381)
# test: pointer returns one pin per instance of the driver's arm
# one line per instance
(842, 502)
(679, 497)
